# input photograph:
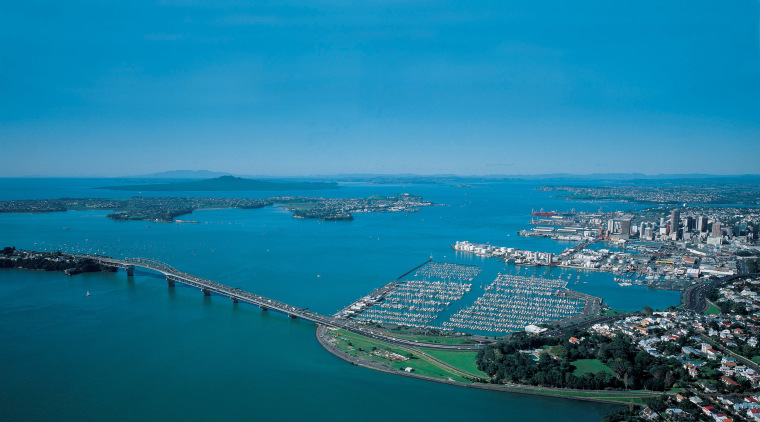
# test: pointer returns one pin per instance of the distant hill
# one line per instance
(181, 174)
(554, 177)
(225, 183)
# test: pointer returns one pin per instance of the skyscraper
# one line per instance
(716, 231)
(625, 228)
(702, 224)
(675, 217)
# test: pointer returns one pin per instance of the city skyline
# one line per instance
(379, 88)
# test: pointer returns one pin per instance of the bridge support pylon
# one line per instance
(169, 281)
(293, 316)
(130, 270)
(234, 300)
(263, 308)
(206, 292)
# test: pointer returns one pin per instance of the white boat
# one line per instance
(88, 293)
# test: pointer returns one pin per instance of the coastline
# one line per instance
(581, 395)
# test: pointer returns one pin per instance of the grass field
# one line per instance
(585, 366)
(421, 365)
(464, 361)
(712, 310)
(606, 312)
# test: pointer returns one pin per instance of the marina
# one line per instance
(417, 302)
(513, 302)
(431, 296)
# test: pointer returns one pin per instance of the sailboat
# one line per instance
(88, 293)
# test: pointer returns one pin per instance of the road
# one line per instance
(724, 350)
(693, 299)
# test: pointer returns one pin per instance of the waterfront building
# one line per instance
(549, 258)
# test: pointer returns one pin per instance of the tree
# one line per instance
(559, 351)
(647, 310)
(740, 308)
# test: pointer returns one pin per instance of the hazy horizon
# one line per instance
(538, 176)
(325, 88)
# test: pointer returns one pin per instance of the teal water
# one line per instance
(137, 349)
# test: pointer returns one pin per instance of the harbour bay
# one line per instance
(180, 355)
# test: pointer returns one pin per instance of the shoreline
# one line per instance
(513, 388)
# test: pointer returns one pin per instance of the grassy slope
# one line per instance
(584, 366)
(464, 361)
(606, 312)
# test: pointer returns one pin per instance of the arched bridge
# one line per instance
(238, 295)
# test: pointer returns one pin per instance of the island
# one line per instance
(166, 209)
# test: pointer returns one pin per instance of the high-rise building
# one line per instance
(702, 224)
(716, 231)
(625, 228)
(675, 217)
(690, 224)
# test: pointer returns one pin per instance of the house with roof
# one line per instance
(677, 414)
(648, 414)
(753, 414)
(728, 381)
(712, 353)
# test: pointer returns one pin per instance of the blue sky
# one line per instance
(93, 88)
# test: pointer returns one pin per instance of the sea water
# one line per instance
(137, 349)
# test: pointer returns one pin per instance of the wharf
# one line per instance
(591, 304)
(415, 268)
(374, 297)
(576, 267)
